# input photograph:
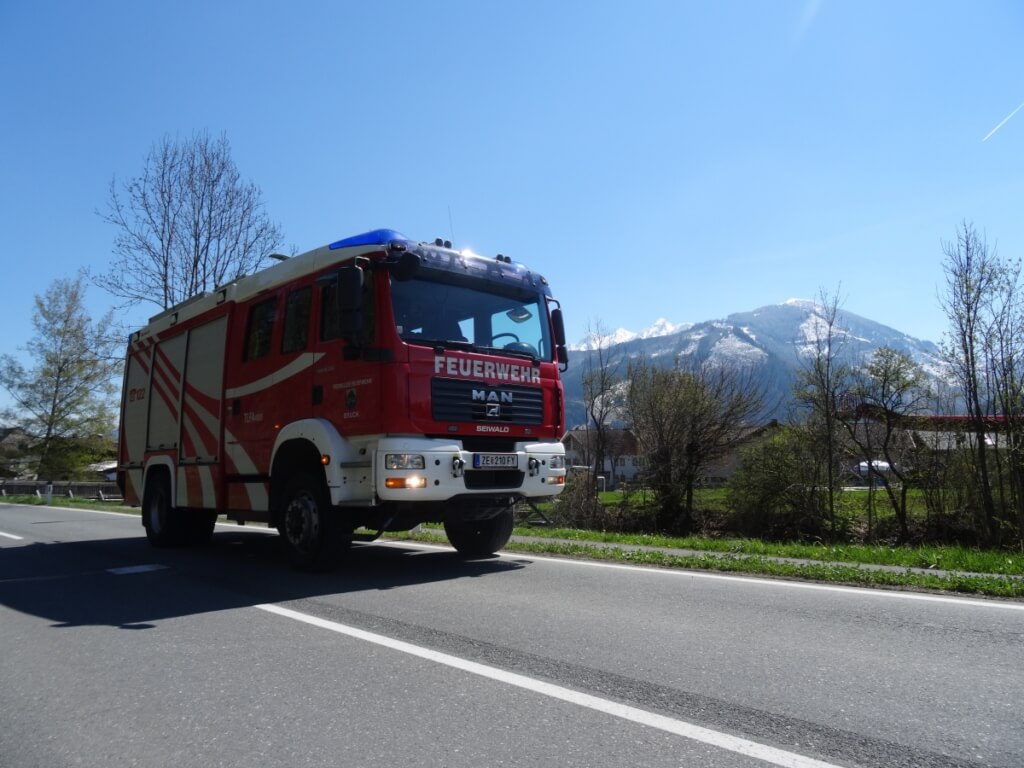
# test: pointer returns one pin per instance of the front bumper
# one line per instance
(421, 469)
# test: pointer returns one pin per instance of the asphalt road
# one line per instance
(114, 653)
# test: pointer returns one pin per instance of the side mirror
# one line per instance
(560, 349)
(559, 324)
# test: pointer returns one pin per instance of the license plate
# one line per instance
(495, 461)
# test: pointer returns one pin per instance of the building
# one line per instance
(625, 463)
(622, 463)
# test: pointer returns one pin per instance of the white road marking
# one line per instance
(762, 582)
(682, 728)
(126, 514)
(130, 569)
(11, 536)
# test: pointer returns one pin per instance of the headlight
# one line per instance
(403, 461)
(557, 462)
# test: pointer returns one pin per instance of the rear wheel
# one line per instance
(199, 527)
(479, 538)
(163, 523)
(313, 535)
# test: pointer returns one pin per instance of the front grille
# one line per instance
(480, 479)
(488, 444)
(457, 400)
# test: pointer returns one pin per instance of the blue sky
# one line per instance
(653, 159)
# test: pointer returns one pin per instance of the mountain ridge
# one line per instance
(665, 327)
(773, 341)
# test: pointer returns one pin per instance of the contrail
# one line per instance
(1005, 120)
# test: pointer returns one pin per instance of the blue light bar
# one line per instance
(376, 237)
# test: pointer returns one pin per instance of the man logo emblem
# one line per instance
(493, 411)
(491, 396)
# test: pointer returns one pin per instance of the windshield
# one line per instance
(485, 317)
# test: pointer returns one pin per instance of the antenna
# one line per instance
(451, 228)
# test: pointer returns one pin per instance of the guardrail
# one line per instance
(70, 489)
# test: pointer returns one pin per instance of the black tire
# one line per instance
(481, 538)
(199, 527)
(313, 535)
(163, 523)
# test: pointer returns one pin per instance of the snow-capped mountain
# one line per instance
(661, 327)
(773, 341)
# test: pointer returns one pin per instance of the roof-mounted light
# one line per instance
(376, 237)
(440, 243)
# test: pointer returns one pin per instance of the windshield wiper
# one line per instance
(470, 347)
(442, 343)
(511, 353)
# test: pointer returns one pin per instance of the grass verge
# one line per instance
(963, 583)
(940, 558)
(756, 559)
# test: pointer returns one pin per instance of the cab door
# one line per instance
(346, 375)
(274, 388)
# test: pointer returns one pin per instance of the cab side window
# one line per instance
(330, 322)
(329, 326)
(295, 333)
(260, 330)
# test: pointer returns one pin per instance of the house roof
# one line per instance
(11, 436)
(620, 441)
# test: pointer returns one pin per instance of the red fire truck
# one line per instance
(368, 385)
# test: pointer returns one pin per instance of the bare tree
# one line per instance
(186, 224)
(1004, 354)
(684, 419)
(601, 379)
(654, 400)
(617, 443)
(973, 275)
(64, 401)
(820, 390)
(889, 390)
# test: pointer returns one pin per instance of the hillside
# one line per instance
(774, 341)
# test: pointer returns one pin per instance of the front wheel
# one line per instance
(313, 535)
(480, 538)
